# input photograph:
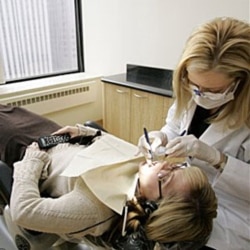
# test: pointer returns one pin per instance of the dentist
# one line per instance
(212, 106)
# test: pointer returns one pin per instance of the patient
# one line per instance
(172, 206)
(171, 203)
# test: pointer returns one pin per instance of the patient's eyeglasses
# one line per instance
(168, 177)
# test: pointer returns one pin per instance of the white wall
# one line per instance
(146, 32)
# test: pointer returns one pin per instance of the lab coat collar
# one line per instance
(213, 134)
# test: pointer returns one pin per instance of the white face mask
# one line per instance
(209, 100)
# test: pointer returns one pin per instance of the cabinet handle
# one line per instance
(121, 91)
(140, 96)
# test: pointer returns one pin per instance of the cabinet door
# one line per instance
(117, 110)
(146, 111)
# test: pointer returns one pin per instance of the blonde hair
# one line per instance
(185, 217)
(221, 45)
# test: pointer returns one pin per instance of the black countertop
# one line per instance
(141, 83)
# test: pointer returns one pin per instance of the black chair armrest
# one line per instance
(95, 125)
(5, 182)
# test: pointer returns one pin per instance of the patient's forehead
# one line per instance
(178, 184)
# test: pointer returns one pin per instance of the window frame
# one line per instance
(79, 46)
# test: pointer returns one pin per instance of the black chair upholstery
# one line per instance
(5, 182)
(6, 171)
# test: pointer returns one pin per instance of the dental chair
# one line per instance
(13, 237)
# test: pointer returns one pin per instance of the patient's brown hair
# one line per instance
(180, 218)
(188, 216)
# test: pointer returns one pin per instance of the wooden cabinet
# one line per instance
(127, 111)
(117, 110)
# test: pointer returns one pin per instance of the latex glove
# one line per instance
(156, 138)
(189, 145)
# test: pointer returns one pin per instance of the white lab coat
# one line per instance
(232, 226)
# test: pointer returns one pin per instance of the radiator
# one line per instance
(55, 99)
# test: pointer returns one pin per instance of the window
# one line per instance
(40, 38)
